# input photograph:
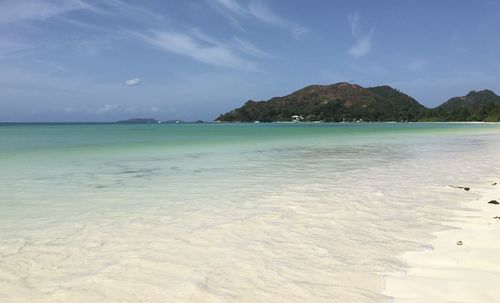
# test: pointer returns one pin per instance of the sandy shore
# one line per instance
(453, 271)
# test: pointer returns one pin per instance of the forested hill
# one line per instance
(482, 105)
(350, 102)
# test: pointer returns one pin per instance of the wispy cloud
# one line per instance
(263, 12)
(249, 48)
(155, 109)
(49, 66)
(107, 108)
(198, 46)
(354, 22)
(363, 42)
(80, 24)
(12, 11)
(363, 45)
(233, 53)
(260, 10)
(232, 6)
(11, 48)
(133, 82)
(151, 110)
(136, 12)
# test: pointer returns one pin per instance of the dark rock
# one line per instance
(494, 202)
(496, 217)
(461, 187)
(494, 183)
(460, 243)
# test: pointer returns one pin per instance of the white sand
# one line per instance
(286, 224)
(457, 273)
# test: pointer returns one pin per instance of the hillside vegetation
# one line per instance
(350, 102)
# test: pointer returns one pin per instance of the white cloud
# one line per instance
(133, 12)
(9, 49)
(12, 11)
(133, 82)
(135, 110)
(249, 48)
(107, 108)
(231, 5)
(130, 109)
(363, 45)
(237, 44)
(354, 22)
(197, 46)
(155, 109)
(259, 10)
(10, 46)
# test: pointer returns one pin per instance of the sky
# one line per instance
(106, 60)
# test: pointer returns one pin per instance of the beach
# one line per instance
(462, 263)
(249, 151)
(247, 212)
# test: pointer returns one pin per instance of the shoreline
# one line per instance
(463, 261)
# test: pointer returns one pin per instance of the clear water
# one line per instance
(226, 212)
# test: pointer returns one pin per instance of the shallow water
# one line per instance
(226, 212)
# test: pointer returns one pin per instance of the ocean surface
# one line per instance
(227, 212)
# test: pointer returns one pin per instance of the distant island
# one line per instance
(151, 121)
(346, 102)
(138, 121)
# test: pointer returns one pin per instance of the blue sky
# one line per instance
(103, 60)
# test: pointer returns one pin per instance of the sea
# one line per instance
(228, 212)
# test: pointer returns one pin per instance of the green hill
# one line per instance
(472, 100)
(482, 105)
(350, 102)
(332, 103)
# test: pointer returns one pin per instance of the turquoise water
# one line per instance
(226, 212)
(16, 138)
